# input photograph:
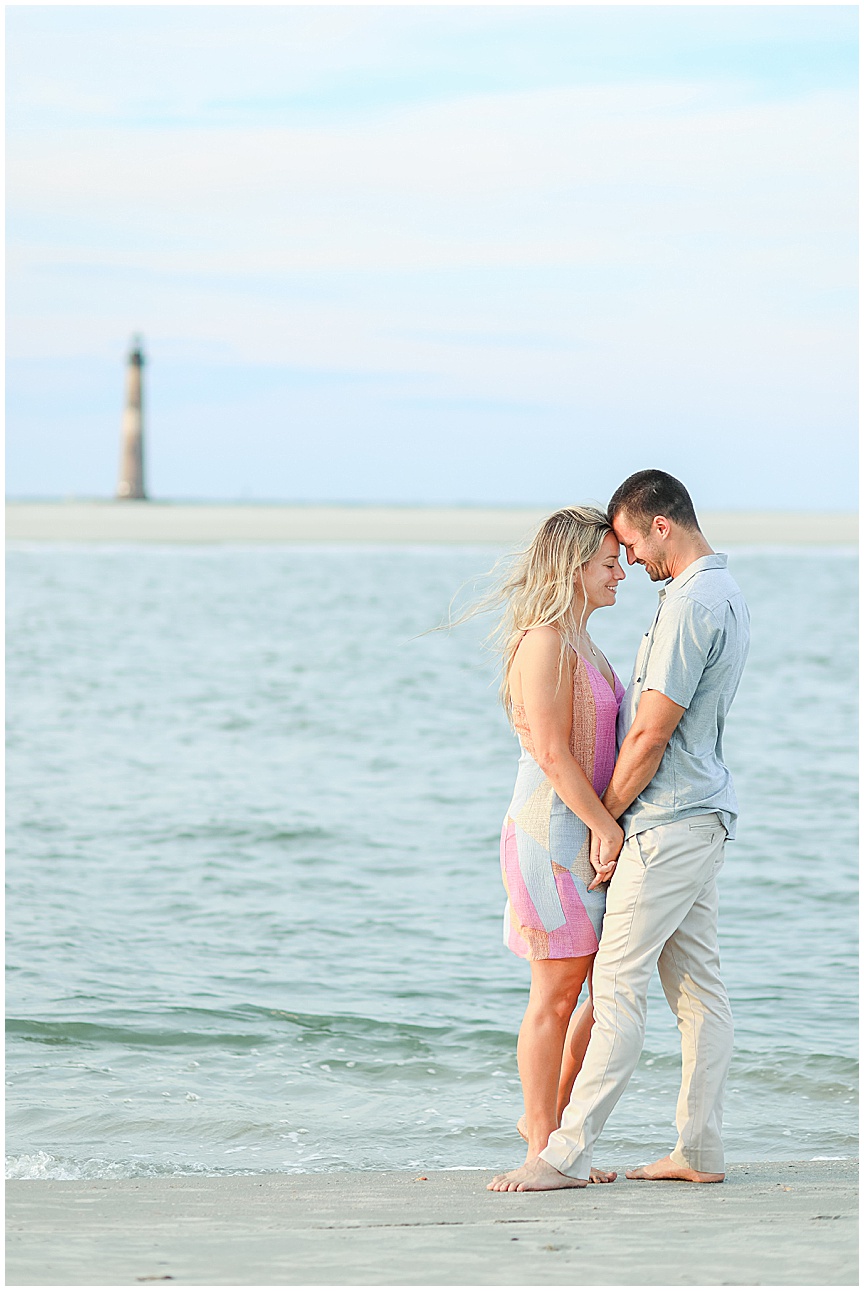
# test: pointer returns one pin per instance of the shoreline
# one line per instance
(783, 1223)
(204, 522)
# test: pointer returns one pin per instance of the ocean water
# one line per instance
(254, 907)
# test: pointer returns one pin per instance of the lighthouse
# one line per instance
(131, 481)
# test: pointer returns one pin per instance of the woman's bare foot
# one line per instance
(534, 1176)
(597, 1175)
(667, 1169)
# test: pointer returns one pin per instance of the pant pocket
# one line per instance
(707, 831)
(644, 848)
(705, 822)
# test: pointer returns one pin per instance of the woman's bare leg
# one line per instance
(555, 987)
(575, 1046)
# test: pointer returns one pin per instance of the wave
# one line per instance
(457, 1046)
(195, 1027)
(44, 1165)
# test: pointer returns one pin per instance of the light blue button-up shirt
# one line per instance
(694, 652)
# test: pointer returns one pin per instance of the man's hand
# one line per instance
(603, 854)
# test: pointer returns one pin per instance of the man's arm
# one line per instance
(643, 747)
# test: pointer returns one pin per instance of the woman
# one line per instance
(559, 844)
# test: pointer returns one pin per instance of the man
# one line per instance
(673, 795)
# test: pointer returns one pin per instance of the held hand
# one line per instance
(602, 876)
(604, 855)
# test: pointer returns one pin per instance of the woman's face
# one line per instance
(602, 574)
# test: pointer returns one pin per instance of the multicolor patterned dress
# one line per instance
(550, 913)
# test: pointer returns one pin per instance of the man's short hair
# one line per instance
(652, 493)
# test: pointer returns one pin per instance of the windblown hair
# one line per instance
(541, 586)
(652, 493)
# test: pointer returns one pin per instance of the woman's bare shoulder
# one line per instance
(536, 662)
(540, 643)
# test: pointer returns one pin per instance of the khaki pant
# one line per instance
(661, 909)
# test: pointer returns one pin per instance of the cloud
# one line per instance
(655, 208)
(187, 65)
(482, 147)
(675, 250)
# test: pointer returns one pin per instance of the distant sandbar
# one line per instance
(174, 522)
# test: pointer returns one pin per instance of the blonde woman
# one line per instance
(559, 844)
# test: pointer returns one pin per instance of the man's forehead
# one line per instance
(625, 530)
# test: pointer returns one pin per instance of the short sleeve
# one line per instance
(685, 639)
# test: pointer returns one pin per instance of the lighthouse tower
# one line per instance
(131, 481)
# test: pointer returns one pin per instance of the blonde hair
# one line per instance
(540, 587)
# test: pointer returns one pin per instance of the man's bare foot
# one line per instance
(667, 1169)
(534, 1176)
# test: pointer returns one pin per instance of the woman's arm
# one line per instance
(549, 714)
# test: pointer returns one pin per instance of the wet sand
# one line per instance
(768, 1224)
(241, 522)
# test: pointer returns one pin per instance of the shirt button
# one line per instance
(638, 678)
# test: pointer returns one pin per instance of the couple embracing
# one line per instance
(610, 862)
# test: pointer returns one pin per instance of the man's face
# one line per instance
(645, 549)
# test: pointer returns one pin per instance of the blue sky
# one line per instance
(444, 254)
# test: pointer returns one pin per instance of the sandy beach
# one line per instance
(241, 522)
(769, 1224)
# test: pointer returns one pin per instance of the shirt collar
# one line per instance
(717, 560)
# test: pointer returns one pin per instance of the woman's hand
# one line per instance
(604, 853)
